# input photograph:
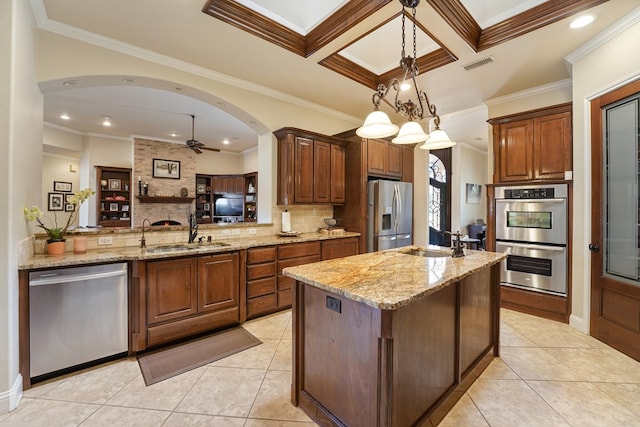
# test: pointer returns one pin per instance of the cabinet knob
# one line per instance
(593, 247)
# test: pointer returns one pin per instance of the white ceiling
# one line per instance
(177, 29)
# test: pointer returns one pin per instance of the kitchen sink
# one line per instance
(427, 253)
(185, 247)
(171, 248)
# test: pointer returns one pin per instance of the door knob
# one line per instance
(594, 247)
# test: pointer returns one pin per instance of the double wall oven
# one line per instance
(531, 228)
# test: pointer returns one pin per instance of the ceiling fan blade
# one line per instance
(197, 150)
(217, 150)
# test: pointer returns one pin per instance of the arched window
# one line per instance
(439, 208)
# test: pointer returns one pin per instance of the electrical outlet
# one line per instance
(334, 304)
(252, 231)
(226, 232)
(105, 240)
(235, 232)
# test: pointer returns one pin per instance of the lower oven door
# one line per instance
(534, 267)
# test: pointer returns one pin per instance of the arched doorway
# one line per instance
(439, 207)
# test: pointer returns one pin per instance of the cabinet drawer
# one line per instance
(285, 283)
(261, 270)
(295, 250)
(297, 261)
(256, 288)
(260, 255)
(285, 298)
(260, 305)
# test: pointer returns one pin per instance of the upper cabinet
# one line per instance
(533, 146)
(384, 158)
(311, 168)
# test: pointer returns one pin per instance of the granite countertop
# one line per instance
(136, 253)
(391, 279)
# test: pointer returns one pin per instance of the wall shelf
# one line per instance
(164, 199)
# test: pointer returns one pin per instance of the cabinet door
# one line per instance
(303, 173)
(238, 184)
(286, 158)
(407, 163)
(339, 248)
(394, 159)
(218, 286)
(552, 146)
(219, 184)
(515, 151)
(338, 193)
(171, 290)
(376, 156)
(321, 172)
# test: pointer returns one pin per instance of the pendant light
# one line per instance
(378, 125)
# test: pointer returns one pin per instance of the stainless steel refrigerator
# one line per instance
(389, 215)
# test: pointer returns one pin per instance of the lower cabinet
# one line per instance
(267, 289)
(188, 296)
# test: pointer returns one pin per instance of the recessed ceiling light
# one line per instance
(225, 142)
(178, 89)
(69, 83)
(582, 21)
(128, 80)
(106, 121)
(173, 134)
(64, 116)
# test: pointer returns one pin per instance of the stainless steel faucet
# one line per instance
(458, 246)
(193, 227)
(143, 242)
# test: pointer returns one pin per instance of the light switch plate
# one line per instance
(105, 240)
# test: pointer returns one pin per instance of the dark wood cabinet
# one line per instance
(310, 168)
(228, 184)
(190, 295)
(384, 158)
(339, 248)
(291, 255)
(267, 289)
(113, 196)
(364, 159)
(532, 146)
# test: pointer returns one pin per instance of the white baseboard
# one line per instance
(9, 399)
(578, 323)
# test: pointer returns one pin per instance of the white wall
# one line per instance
(20, 180)
(469, 167)
(607, 62)
(57, 168)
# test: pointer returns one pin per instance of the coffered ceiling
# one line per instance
(334, 52)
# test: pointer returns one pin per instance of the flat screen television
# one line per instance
(228, 206)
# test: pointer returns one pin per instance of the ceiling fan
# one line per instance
(196, 145)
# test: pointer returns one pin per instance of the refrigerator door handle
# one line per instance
(397, 207)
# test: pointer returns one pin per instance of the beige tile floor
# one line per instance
(548, 375)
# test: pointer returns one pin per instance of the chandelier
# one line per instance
(378, 125)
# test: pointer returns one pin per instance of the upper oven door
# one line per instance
(532, 220)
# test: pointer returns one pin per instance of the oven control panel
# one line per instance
(530, 193)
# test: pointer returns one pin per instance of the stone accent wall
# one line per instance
(144, 153)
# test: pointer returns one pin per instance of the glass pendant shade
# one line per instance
(437, 139)
(377, 125)
(410, 133)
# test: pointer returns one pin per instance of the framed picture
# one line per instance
(201, 188)
(114, 184)
(474, 191)
(166, 168)
(67, 197)
(68, 207)
(207, 206)
(125, 208)
(113, 206)
(64, 187)
(56, 201)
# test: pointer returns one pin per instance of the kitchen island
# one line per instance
(392, 338)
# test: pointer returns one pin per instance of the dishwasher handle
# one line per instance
(56, 278)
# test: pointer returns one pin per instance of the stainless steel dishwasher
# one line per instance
(78, 316)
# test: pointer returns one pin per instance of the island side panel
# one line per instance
(476, 318)
(336, 358)
(424, 362)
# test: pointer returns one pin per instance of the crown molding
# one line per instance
(617, 28)
(550, 87)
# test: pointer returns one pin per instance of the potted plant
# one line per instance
(55, 233)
